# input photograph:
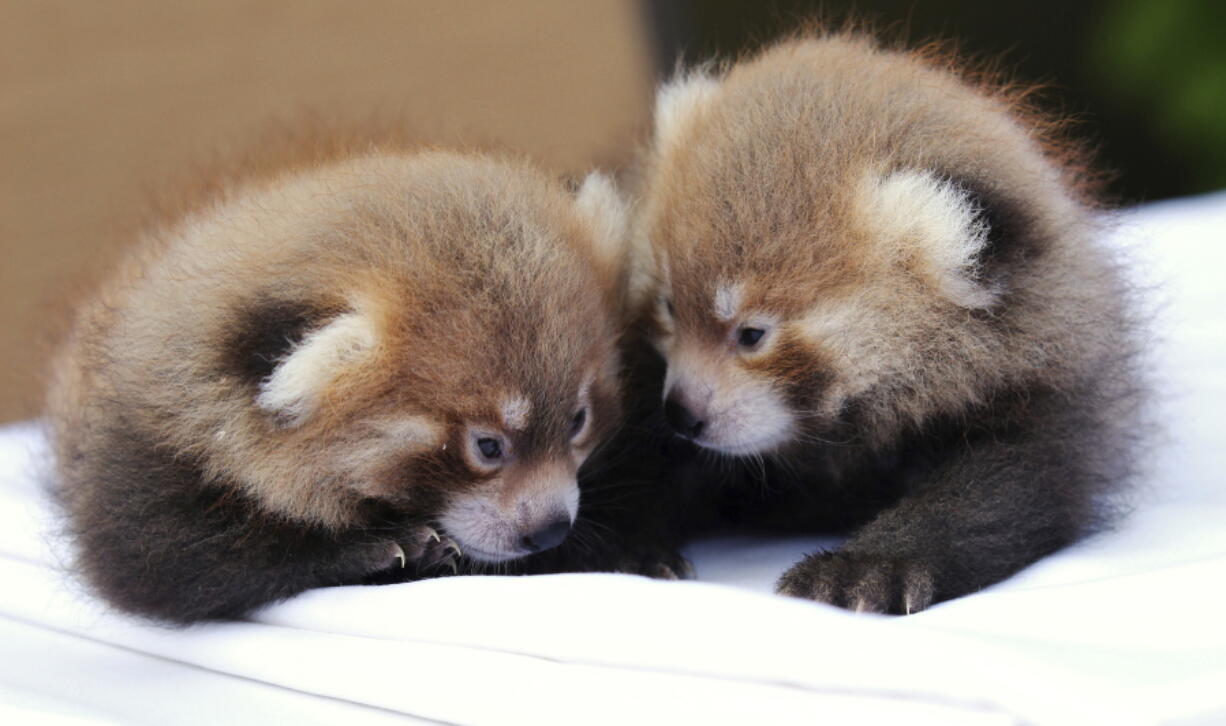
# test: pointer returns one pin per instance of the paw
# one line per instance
(861, 582)
(419, 551)
(658, 563)
(428, 552)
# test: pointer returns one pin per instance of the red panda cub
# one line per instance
(333, 371)
(877, 290)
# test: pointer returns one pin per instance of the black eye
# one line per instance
(668, 305)
(576, 425)
(490, 448)
(749, 337)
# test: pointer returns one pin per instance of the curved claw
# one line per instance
(398, 553)
(438, 556)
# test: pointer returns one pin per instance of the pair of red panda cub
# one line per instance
(854, 290)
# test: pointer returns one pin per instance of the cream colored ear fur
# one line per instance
(677, 102)
(600, 203)
(297, 384)
(906, 209)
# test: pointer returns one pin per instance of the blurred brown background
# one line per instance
(103, 103)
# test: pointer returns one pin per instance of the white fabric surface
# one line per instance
(1121, 629)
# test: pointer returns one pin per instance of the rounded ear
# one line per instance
(298, 381)
(677, 102)
(601, 205)
(908, 208)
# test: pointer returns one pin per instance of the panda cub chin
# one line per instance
(877, 290)
(325, 374)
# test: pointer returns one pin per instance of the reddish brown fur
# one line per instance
(479, 277)
(979, 403)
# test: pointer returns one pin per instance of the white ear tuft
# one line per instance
(677, 101)
(599, 202)
(649, 278)
(914, 208)
(294, 389)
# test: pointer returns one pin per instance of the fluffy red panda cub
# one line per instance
(882, 308)
(331, 370)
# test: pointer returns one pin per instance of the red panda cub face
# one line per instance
(512, 479)
(523, 393)
(828, 229)
(443, 343)
(764, 350)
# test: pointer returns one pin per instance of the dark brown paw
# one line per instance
(861, 582)
(420, 551)
(430, 553)
(657, 563)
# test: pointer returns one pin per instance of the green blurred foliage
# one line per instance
(1165, 60)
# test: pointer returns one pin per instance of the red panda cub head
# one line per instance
(467, 364)
(430, 333)
(835, 232)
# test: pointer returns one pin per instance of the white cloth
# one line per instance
(1121, 629)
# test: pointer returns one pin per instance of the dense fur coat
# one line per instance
(327, 371)
(875, 285)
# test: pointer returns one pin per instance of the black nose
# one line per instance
(551, 535)
(682, 421)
